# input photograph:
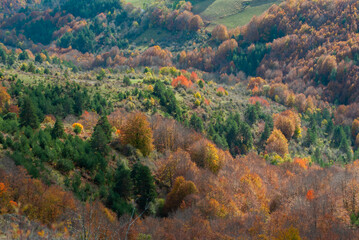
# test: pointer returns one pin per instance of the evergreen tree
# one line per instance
(99, 141)
(123, 182)
(246, 138)
(266, 133)
(317, 157)
(106, 127)
(338, 135)
(28, 115)
(58, 129)
(196, 123)
(144, 187)
(127, 81)
(329, 128)
(252, 114)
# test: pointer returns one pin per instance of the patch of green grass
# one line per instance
(246, 15)
(231, 13)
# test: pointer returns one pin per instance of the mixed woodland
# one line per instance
(120, 122)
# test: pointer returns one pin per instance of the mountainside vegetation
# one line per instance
(175, 120)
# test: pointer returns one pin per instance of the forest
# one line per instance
(148, 120)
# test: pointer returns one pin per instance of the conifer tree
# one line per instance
(106, 127)
(28, 115)
(58, 129)
(144, 187)
(123, 182)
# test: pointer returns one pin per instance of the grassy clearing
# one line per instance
(231, 13)
(245, 16)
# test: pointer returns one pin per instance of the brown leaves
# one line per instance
(287, 122)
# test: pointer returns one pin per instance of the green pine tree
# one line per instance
(106, 127)
(123, 182)
(99, 141)
(58, 129)
(28, 115)
(144, 187)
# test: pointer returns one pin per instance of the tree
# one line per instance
(99, 141)
(338, 135)
(137, 132)
(38, 58)
(127, 81)
(267, 130)
(206, 155)
(77, 127)
(23, 56)
(252, 113)
(288, 234)
(195, 23)
(355, 127)
(181, 189)
(287, 122)
(4, 98)
(277, 143)
(123, 183)
(220, 33)
(28, 116)
(58, 129)
(143, 185)
(197, 123)
(106, 127)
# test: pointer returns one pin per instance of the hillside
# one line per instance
(153, 121)
(231, 13)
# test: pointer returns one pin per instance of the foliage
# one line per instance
(137, 132)
(277, 143)
(181, 189)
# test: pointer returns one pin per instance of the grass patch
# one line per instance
(242, 18)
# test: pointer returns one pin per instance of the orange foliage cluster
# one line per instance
(310, 195)
(254, 100)
(194, 77)
(302, 162)
(181, 80)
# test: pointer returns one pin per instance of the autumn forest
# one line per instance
(141, 120)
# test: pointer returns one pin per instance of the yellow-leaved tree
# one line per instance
(137, 132)
(180, 190)
(277, 143)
